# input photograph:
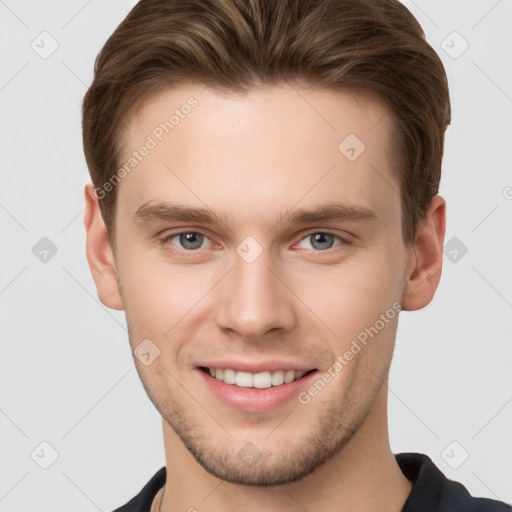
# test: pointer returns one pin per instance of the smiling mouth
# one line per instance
(262, 380)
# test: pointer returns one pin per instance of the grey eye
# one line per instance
(320, 241)
(191, 240)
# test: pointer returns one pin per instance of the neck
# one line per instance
(364, 476)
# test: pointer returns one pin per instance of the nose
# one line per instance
(255, 299)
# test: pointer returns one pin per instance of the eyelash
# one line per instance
(188, 252)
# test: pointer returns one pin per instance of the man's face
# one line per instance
(262, 289)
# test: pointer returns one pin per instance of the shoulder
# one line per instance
(142, 501)
(433, 492)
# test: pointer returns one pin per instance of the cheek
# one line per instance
(350, 298)
(157, 294)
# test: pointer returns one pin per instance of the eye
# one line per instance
(188, 240)
(321, 241)
(191, 241)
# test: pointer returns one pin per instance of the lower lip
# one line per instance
(255, 399)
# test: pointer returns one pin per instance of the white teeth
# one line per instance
(278, 378)
(243, 379)
(229, 376)
(289, 376)
(260, 380)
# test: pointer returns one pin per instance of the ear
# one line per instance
(426, 258)
(99, 252)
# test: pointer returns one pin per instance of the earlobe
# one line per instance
(426, 264)
(99, 253)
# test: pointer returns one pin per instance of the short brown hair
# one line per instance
(234, 45)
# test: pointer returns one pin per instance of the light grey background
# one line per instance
(67, 377)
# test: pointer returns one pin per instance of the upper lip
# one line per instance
(252, 367)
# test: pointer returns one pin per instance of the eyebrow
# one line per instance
(163, 211)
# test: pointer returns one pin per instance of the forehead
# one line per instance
(276, 145)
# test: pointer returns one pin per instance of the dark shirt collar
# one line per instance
(431, 492)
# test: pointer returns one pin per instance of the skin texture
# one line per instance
(251, 159)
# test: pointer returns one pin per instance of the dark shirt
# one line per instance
(431, 492)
